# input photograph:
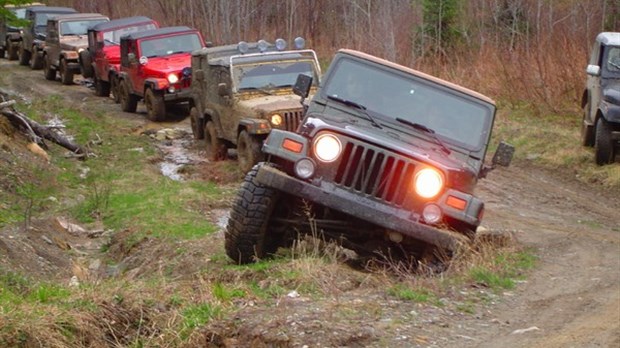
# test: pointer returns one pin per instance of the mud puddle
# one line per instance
(175, 144)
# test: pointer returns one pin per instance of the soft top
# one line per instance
(156, 32)
(71, 16)
(51, 9)
(417, 73)
(121, 22)
(609, 38)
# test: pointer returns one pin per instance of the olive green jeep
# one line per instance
(385, 161)
(241, 92)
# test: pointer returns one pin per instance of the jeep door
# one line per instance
(136, 69)
(52, 43)
(593, 82)
(95, 44)
(224, 104)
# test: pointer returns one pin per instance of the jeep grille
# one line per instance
(374, 172)
(292, 119)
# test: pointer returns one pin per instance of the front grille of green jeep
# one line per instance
(292, 119)
(375, 172)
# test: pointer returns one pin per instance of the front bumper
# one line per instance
(387, 216)
(178, 96)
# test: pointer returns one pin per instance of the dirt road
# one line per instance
(571, 299)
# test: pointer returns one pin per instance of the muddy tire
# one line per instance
(48, 71)
(247, 236)
(102, 88)
(12, 52)
(216, 149)
(66, 76)
(86, 65)
(36, 61)
(604, 151)
(24, 56)
(115, 88)
(587, 132)
(129, 102)
(155, 106)
(248, 150)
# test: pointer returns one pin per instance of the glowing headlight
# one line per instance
(428, 183)
(327, 148)
(172, 78)
(80, 50)
(276, 120)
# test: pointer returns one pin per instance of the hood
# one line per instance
(169, 64)
(73, 42)
(611, 91)
(264, 104)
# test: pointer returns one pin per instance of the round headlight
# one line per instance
(262, 45)
(80, 50)
(304, 168)
(280, 44)
(299, 42)
(172, 78)
(428, 183)
(327, 148)
(243, 47)
(431, 214)
(276, 120)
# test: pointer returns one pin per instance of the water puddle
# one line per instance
(174, 143)
(221, 216)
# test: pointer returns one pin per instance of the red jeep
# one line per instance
(102, 59)
(156, 67)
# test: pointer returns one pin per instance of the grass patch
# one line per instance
(419, 295)
(198, 315)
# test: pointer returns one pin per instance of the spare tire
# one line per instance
(86, 64)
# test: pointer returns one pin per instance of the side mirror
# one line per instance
(199, 75)
(222, 89)
(302, 85)
(593, 70)
(503, 155)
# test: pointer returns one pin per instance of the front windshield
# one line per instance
(163, 46)
(41, 19)
(271, 74)
(19, 13)
(390, 96)
(79, 27)
(612, 62)
(113, 37)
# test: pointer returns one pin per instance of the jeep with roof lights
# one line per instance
(156, 67)
(241, 92)
(385, 161)
(11, 29)
(102, 59)
(33, 35)
(65, 39)
(600, 126)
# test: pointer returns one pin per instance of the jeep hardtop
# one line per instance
(10, 33)
(156, 67)
(102, 59)
(601, 99)
(386, 160)
(65, 39)
(241, 92)
(33, 35)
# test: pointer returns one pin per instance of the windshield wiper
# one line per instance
(357, 106)
(427, 130)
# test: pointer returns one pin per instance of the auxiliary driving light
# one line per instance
(327, 148)
(431, 214)
(280, 44)
(304, 168)
(262, 45)
(428, 183)
(276, 119)
(243, 47)
(172, 78)
(299, 42)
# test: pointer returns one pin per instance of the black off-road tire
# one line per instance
(12, 52)
(129, 102)
(24, 56)
(155, 106)
(86, 64)
(48, 71)
(604, 151)
(36, 61)
(248, 150)
(66, 76)
(102, 88)
(587, 132)
(247, 236)
(216, 149)
(115, 88)
(2, 51)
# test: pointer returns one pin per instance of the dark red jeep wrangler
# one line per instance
(156, 67)
(102, 59)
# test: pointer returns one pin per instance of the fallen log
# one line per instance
(37, 132)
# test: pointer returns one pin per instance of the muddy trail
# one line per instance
(571, 298)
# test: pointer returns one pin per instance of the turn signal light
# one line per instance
(292, 145)
(456, 202)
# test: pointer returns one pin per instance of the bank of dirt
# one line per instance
(570, 299)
